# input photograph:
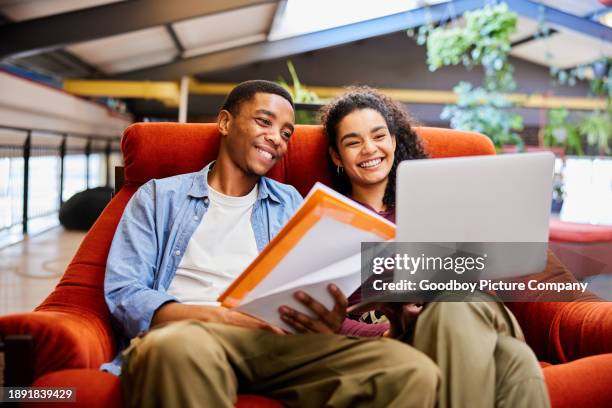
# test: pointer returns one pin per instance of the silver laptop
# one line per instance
(479, 199)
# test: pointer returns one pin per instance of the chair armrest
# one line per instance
(62, 339)
(559, 332)
(580, 383)
(582, 329)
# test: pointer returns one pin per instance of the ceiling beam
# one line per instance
(168, 92)
(532, 37)
(558, 18)
(429, 96)
(175, 39)
(265, 51)
(56, 31)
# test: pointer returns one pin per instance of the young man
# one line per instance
(182, 241)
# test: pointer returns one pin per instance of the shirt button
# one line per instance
(206, 201)
(195, 217)
(177, 252)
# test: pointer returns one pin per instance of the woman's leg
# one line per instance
(463, 338)
(519, 381)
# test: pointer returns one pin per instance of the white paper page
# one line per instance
(336, 271)
(324, 244)
(266, 308)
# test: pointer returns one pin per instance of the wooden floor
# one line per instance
(29, 270)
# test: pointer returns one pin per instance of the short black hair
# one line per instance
(245, 91)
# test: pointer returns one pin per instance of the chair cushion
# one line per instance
(158, 150)
(559, 332)
(581, 383)
(569, 385)
(440, 142)
(100, 389)
(575, 232)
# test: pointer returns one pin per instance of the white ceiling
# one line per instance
(20, 10)
(200, 35)
(525, 28)
(210, 33)
(126, 52)
(566, 49)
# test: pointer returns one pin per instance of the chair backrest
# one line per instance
(158, 150)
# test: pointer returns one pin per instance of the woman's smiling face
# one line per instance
(366, 148)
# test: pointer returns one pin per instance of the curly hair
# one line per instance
(408, 145)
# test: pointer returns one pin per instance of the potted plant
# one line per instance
(300, 94)
(560, 132)
(597, 128)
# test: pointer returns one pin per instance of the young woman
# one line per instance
(478, 346)
(369, 135)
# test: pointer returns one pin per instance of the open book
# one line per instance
(319, 245)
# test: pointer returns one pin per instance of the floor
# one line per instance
(29, 270)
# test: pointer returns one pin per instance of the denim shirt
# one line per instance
(152, 237)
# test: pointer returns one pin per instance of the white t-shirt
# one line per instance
(221, 247)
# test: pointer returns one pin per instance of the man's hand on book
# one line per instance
(400, 315)
(327, 321)
(240, 319)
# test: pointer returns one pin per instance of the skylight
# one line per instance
(307, 16)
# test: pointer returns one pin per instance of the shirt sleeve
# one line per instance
(131, 266)
(352, 327)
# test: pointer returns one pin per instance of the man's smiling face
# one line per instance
(256, 135)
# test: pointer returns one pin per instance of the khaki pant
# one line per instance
(478, 348)
(481, 354)
(196, 364)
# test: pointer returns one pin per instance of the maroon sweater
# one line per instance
(352, 327)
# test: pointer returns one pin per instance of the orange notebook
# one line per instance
(320, 244)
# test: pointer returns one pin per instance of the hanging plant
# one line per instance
(601, 67)
(600, 84)
(447, 47)
(487, 112)
(484, 40)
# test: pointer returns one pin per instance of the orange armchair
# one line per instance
(72, 332)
